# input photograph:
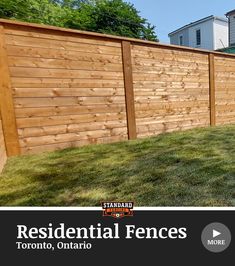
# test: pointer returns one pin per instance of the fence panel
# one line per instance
(171, 89)
(68, 90)
(225, 90)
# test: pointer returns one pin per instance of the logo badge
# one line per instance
(117, 209)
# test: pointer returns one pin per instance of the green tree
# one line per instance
(112, 17)
(69, 3)
(37, 11)
(106, 16)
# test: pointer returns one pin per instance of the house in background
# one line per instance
(231, 33)
(231, 22)
(209, 33)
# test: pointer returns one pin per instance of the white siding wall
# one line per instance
(220, 34)
(232, 29)
(212, 31)
(175, 39)
(207, 39)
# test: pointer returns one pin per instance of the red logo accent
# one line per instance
(117, 209)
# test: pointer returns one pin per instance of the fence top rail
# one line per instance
(112, 37)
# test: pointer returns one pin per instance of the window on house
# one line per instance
(181, 40)
(198, 37)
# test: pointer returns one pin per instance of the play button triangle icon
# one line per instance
(216, 233)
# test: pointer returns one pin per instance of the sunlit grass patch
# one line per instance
(190, 168)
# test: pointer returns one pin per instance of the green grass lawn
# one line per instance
(190, 168)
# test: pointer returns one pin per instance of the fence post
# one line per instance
(129, 90)
(212, 89)
(6, 102)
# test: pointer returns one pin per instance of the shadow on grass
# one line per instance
(191, 168)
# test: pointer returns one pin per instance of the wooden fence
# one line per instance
(64, 88)
(3, 154)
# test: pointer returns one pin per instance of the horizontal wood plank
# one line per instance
(17, 61)
(53, 147)
(57, 73)
(64, 83)
(70, 128)
(60, 45)
(69, 110)
(61, 36)
(35, 52)
(69, 119)
(67, 92)
(64, 101)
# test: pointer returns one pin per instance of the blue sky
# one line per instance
(168, 15)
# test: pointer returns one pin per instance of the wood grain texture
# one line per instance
(43, 33)
(129, 91)
(72, 88)
(225, 90)
(6, 102)
(72, 144)
(68, 90)
(212, 89)
(171, 90)
(3, 153)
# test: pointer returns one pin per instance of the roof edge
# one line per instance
(198, 22)
(230, 12)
